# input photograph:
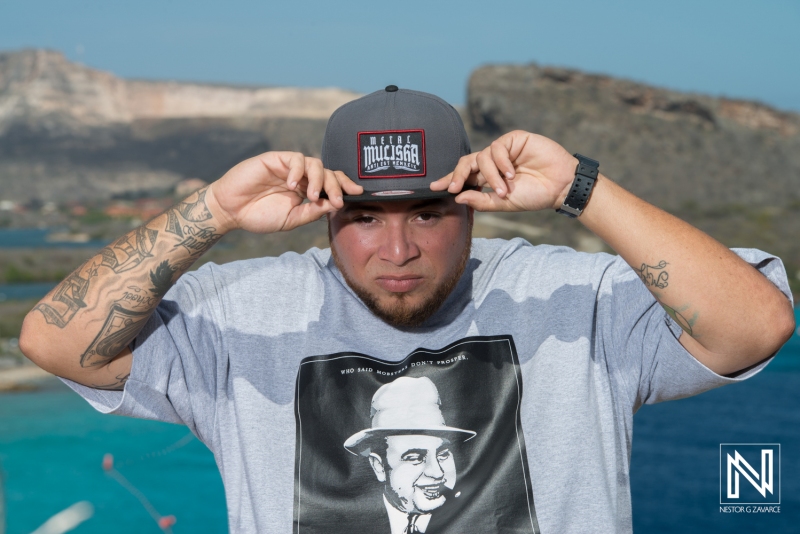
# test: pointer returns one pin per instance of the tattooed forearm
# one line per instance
(120, 328)
(194, 211)
(136, 297)
(130, 250)
(199, 239)
(161, 277)
(120, 287)
(118, 385)
(124, 254)
(654, 275)
(68, 299)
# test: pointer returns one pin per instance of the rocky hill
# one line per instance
(671, 148)
(71, 132)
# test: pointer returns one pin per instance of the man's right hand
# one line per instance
(265, 194)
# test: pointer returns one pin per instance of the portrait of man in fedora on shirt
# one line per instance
(428, 444)
(410, 449)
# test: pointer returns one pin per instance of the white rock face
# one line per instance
(42, 83)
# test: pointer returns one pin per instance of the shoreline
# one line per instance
(23, 378)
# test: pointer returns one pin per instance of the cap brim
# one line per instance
(399, 194)
(359, 442)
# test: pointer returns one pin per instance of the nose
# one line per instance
(432, 468)
(398, 245)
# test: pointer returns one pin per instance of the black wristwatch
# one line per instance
(582, 185)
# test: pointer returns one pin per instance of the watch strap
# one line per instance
(585, 177)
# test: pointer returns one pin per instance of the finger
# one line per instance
(315, 173)
(454, 181)
(490, 173)
(307, 212)
(348, 185)
(296, 164)
(502, 159)
(333, 191)
(482, 201)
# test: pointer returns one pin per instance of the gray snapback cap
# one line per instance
(394, 143)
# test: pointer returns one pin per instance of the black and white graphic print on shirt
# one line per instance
(429, 444)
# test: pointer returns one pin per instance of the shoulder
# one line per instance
(287, 267)
(267, 296)
(257, 278)
(519, 255)
(525, 270)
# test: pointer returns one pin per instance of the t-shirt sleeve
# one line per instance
(177, 360)
(641, 341)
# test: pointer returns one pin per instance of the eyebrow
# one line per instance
(379, 206)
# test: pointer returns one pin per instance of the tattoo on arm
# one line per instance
(69, 295)
(119, 385)
(654, 275)
(161, 277)
(128, 252)
(195, 211)
(135, 297)
(120, 327)
(124, 254)
(198, 240)
(685, 323)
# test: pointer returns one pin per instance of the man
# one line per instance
(410, 450)
(581, 341)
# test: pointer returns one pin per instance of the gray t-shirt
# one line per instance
(510, 410)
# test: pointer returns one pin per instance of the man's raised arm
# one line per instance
(732, 316)
(82, 328)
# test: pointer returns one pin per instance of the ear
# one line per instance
(377, 466)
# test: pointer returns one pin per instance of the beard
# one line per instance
(400, 313)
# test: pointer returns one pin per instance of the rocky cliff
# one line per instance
(673, 149)
(68, 131)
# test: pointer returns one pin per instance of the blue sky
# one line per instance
(734, 48)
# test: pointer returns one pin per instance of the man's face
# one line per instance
(419, 469)
(402, 258)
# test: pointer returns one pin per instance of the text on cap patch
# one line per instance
(391, 154)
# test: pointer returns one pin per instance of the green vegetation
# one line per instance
(15, 275)
(94, 216)
(12, 313)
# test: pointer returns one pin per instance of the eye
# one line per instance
(428, 216)
(413, 458)
(443, 455)
(364, 219)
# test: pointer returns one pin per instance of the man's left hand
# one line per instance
(526, 172)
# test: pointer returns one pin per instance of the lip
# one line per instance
(399, 284)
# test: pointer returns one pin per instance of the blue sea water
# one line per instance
(51, 449)
(37, 238)
(52, 444)
(34, 290)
